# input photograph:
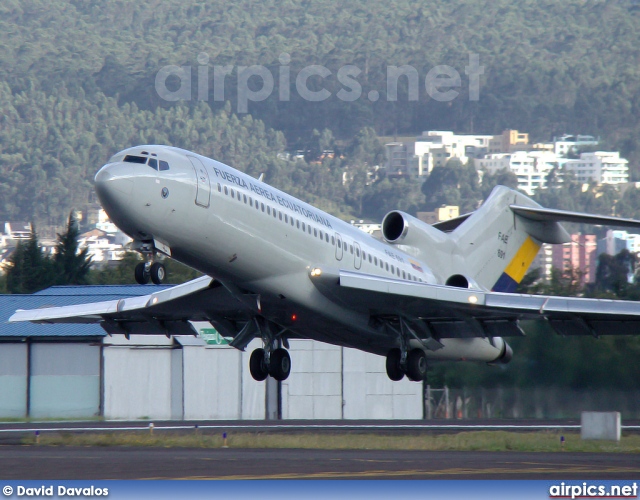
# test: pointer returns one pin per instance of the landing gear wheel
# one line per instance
(257, 366)
(157, 273)
(394, 369)
(417, 365)
(280, 364)
(141, 274)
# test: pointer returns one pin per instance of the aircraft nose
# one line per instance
(114, 184)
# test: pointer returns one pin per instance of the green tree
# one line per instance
(30, 270)
(71, 265)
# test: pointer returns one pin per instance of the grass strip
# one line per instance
(546, 441)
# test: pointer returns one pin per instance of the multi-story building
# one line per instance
(433, 149)
(531, 167)
(603, 167)
(571, 144)
(580, 254)
(508, 142)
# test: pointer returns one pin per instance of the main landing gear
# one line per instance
(273, 360)
(278, 364)
(414, 365)
(404, 360)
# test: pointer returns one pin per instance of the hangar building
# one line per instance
(77, 371)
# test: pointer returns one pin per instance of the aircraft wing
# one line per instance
(168, 311)
(456, 312)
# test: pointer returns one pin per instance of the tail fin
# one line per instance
(499, 241)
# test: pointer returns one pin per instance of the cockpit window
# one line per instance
(153, 163)
(164, 165)
(135, 159)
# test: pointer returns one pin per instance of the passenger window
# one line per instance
(357, 252)
(275, 215)
(262, 206)
(164, 165)
(233, 193)
(250, 201)
(375, 260)
(268, 210)
(219, 188)
(404, 275)
(393, 270)
(386, 265)
(369, 258)
(309, 229)
(351, 249)
(286, 219)
(226, 190)
(326, 237)
(333, 240)
(315, 232)
(298, 224)
(244, 197)
(398, 271)
(280, 215)
(304, 228)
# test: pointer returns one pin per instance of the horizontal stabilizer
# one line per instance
(552, 215)
(447, 226)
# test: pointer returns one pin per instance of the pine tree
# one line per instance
(71, 266)
(30, 269)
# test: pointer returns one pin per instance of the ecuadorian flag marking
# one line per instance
(518, 266)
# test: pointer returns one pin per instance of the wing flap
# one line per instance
(456, 312)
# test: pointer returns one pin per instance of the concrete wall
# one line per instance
(65, 380)
(314, 388)
(137, 382)
(329, 382)
(13, 380)
(370, 394)
(215, 385)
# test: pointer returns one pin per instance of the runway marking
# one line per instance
(412, 472)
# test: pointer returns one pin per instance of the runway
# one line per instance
(66, 463)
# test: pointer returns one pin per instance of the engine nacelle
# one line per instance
(399, 228)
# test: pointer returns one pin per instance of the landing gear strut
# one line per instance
(272, 360)
(405, 361)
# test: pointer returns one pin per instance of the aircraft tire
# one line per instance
(158, 273)
(280, 364)
(394, 370)
(142, 277)
(257, 367)
(417, 365)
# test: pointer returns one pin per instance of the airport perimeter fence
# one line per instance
(534, 403)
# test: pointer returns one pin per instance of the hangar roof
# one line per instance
(63, 296)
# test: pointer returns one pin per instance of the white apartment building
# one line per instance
(567, 144)
(531, 167)
(433, 149)
(603, 167)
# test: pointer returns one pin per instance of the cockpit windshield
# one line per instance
(152, 162)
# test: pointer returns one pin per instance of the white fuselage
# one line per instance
(260, 243)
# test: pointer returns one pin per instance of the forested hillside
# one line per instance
(77, 84)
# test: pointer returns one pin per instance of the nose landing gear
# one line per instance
(150, 270)
(146, 271)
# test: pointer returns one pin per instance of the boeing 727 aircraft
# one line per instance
(277, 268)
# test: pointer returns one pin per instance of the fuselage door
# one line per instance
(203, 189)
(339, 246)
(357, 255)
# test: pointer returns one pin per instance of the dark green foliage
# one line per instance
(70, 264)
(30, 270)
